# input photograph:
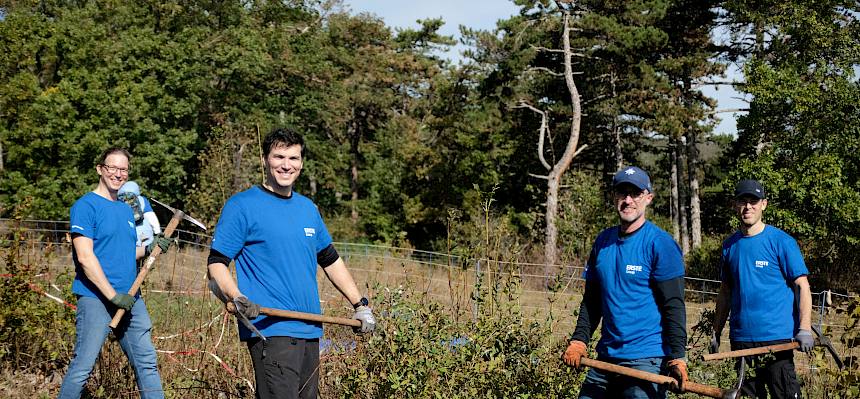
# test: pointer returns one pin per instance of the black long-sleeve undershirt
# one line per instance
(669, 296)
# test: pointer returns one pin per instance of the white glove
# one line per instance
(368, 322)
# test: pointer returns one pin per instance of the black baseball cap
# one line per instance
(749, 187)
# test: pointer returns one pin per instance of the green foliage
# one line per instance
(420, 351)
(33, 335)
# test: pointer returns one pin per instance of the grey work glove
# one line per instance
(161, 241)
(124, 301)
(247, 308)
(805, 339)
(368, 322)
(714, 346)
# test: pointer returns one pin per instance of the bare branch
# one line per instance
(547, 49)
(542, 131)
(544, 69)
(539, 176)
(728, 110)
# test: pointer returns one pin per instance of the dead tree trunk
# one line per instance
(556, 172)
(693, 179)
(674, 209)
(682, 207)
(354, 131)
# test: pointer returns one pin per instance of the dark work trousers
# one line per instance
(773, 372)
(286, 367)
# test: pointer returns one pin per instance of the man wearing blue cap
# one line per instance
(634, 282)
(765, 288)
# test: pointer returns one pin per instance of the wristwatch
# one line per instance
(361, 302)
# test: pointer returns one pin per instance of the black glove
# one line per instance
(247, 308)
(124, 301)
(714, 347)
(804, 338)
(162, 242)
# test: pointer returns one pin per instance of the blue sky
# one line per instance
(483, 14)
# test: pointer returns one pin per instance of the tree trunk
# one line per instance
(693, 178)
(682, 208)
(674, 209)
(354, 140)
(237, 168)
(570, 151)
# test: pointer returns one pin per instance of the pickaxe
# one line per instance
(689, 386)
(178, 215)
(821, 341)
(287, 314)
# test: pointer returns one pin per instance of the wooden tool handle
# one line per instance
(752, 351)
(701, 389)
(168, 232)
(288, 314)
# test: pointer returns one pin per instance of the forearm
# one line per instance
(670, 297)
(804, 303)
(590, 314)
(221, 275)
(93, 271)
(139, 252)
(342, 279)
(721, 314)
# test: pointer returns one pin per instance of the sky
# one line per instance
(483, 14)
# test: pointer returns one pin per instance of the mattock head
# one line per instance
(742, 370)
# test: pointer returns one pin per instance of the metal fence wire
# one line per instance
(447, 278)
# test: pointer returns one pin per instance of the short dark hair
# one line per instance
(284, 136)
(113, 150)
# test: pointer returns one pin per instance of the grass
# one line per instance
(513, 319)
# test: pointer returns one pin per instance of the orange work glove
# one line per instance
(574, 352)
(678, 371)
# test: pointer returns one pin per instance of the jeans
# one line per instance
(600, 384)
(91, 329)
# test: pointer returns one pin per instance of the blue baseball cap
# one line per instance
(749, 187)
(633, 175)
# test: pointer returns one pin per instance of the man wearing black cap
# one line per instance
(766, 290)
(635, 284)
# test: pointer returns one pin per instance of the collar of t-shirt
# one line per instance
(267, 191)
(625, 236)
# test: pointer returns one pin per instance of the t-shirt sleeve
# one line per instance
(792, 260)
(589, 272)
(668, 261)
(147, 207)
(231, 230)
(82, 219)
(323, 236)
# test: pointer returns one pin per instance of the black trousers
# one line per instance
(286, 367)
(773, 372)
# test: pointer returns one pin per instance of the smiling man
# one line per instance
(765, 288)
(634, 283)
(277, 238)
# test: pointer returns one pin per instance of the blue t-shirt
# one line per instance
(110, 224)
(625, 268)
(762, 270)
(274, 241)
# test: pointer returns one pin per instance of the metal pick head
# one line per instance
(184, 215)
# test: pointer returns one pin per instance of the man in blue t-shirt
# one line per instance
(277, 238)
(766, 290)
(634, 283)
(104, 250)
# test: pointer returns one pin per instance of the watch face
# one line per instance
(361, 302)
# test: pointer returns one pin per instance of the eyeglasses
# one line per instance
(113, 169)
(748, 200)
(635, 195)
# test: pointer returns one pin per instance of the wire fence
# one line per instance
(446, 278)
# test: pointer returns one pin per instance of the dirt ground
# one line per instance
(17, 384)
